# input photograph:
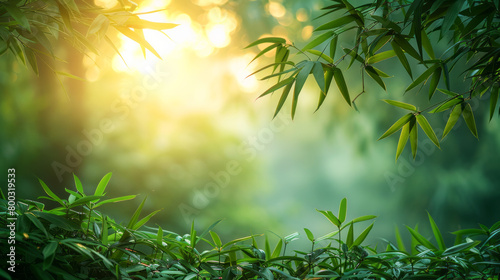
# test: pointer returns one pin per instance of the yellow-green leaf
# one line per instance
(375, 76)
(413, 136)
(426, 127)
(452, 120)
(423, 77)
(336, 23)
(403, 138)
(397, 125)
(401, 104)
(277, 86)
(321, 54)
(283, 98)
(469, 118)
(275, 40)
(381, 56)
(318, 40)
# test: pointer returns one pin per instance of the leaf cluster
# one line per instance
(76, 241)
(400, 31)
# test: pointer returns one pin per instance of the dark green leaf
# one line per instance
(451, 15)
(336, 23)
(283, 98)
(362, 236)
(333, 46)
(421, 239)
(401, 41)
(318, 40)
(381, 56)
(493, 99)
(460, 248)
(437, 233)
(341, 84)
(427, 45)
(50, 193)
(318, 75)
(423, 77)
(434, 81)
(17, 14)
(375, 76)
(402, 58)
(350, 236)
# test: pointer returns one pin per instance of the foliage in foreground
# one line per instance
(400, 31)
(75, 241)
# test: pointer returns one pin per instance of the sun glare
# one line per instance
(201, 38)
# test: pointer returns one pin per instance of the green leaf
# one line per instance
(434, 81)
(452, 120)
(116, 199)
(460, 248)
(136, 214)
(49, 252)
(275, 40)
(363, 218)
(341, 84)
(336, 23)
(277, 250)
(401, 105)
(78, 185)
(283, 97)
(321, 54)
(362, 236)
(402, 58)
(36, 222)
(427, 45)
(299, 83)
(413, 136)
(318, 40)
(421, 239)
(437, 233)
(451, 15)
(493, 99)
(350, 236)
(309, 234)
(17, 14)
(328, 81)
(469, 118)
(375, 76)
(447, 105)
(426, 127)
(445, 91)
(318, 75)
(401, 41)
(50, 193)
(216, 239)
(30, 56)
(329, 215)
(278, 86)
(84, 200)
(381, 56)
(104, 234)
(333, 46)
(399, 240)
(99, 191)
(403, 138)
(397, 125)
(423, 77)
(342, 210)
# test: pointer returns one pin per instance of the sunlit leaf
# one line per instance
(399, 240)
(278, 86)
(321, 54)
(452, 120)
(426, 127)
(277, 250)
(401, 104)
(116, 199)
(299, 83)
(403, 138)
(138, 23)
(102, 184)
(136, 37)
(283, 98)
(397, 125)
(275, 40)
(101, 22)
(447, 105)
(469, 118)
(328, 80)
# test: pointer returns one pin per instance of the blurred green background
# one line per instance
(188, 132)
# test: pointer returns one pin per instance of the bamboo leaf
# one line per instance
(342, 210)
(401, 41)
(381, 56)
(329, 215)
(16, 13)
(451, 15)
(434, 81)
(403, 138)
(399, 240)
(402, 58)
(328, 80)
(333, 46)
(426, 127)
(136, 37)
(321, 54)
(138, 23)
(493, 99)
(283, 98)
(437, 233)
(397, 125)
(144, 220)
(278, 86)
(299, 83)
(336, 23)
(319, 40)
(350, 236)
(116, 199)
(413, 136)
(363, 236)
(452, 120)
(216, 239)
(469, 118)
(375, 76)
(50, 193)
(318, 75)
(102, 184)
(447, 105)
(309, 234)
(401, 104)
(78, 185)
(277, 250)
(275, 40)
(421, 239)
(341, 84)
(423, 77)
(427, 45)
